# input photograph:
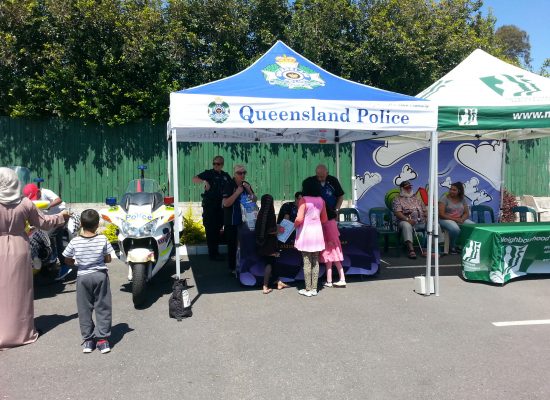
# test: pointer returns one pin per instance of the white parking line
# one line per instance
(528, 322)
(421, 266)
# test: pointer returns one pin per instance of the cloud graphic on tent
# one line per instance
(407, 174)
(390, 153)
(446, 183)
(471, 190)
(484, 160)
(366, 182)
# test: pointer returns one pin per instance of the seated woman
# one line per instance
(453, 212)
(410, 213)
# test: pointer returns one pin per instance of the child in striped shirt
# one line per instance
(90, 252)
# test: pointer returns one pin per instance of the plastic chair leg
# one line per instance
(446, 243)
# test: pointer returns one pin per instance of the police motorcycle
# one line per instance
(144, 219)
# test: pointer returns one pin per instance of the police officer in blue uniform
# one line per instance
(214, 181)
(331, 190)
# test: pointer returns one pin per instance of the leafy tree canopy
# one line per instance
(116, 61)
(515, 43)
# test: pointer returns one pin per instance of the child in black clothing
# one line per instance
(266, 241)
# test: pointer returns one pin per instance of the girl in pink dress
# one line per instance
(309, 234)
(333, 253)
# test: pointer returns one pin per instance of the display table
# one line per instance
(500, 252)
(359, 245)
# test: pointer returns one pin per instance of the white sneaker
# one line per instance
(304, 292)
(313, 292)
(327, 284)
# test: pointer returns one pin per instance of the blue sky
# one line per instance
(532, 16)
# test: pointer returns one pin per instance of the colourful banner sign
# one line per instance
(381, 166)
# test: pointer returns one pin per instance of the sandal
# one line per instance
(267, 290)
(412, 255)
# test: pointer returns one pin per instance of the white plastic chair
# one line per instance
(531, 201)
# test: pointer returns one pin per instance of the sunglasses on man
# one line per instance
(241, 172)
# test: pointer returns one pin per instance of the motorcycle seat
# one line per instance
(141, 199)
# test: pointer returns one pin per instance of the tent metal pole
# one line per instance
(353, 179)
(169, 163)
(429, 224)
(177, 228)
(436, 213)
(502, 176)
(337, 141)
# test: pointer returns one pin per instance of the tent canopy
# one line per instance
(489, 98)
(285, 98)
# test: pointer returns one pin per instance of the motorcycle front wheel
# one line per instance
(139, 282)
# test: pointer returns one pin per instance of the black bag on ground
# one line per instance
(179, 306)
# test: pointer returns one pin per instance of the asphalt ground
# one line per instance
(375, 339)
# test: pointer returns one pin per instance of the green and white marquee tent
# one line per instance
(487, 99)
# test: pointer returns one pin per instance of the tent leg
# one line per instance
(353, 178)
(502, 176)
(177, 228)
(169, 163)
(338, 161)
(436, 214)
(429, 224)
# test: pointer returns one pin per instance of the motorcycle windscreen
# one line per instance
(143, 186)
(23, 174)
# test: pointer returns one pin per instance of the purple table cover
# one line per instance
(359, 245)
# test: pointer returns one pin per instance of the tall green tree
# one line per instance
(515, 43)
(326, 32)
(405, 45)
(214, 44)
(101, 60)
(21, 45)
(268, 22)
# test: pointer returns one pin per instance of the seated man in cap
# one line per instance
(410, 213)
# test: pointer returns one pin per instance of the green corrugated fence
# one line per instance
(87, 162)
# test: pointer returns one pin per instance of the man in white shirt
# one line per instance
(56, 204)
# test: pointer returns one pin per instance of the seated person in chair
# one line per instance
(289, 210)
(411, 214)
(453, 212)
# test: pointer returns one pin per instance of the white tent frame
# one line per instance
(431, 227)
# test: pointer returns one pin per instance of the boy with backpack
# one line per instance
(90, 252)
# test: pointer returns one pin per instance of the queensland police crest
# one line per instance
(287, 72)
(218, 111)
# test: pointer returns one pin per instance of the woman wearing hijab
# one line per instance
(266, 241)
(16, 286)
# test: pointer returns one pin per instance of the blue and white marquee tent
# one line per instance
(285, 98)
